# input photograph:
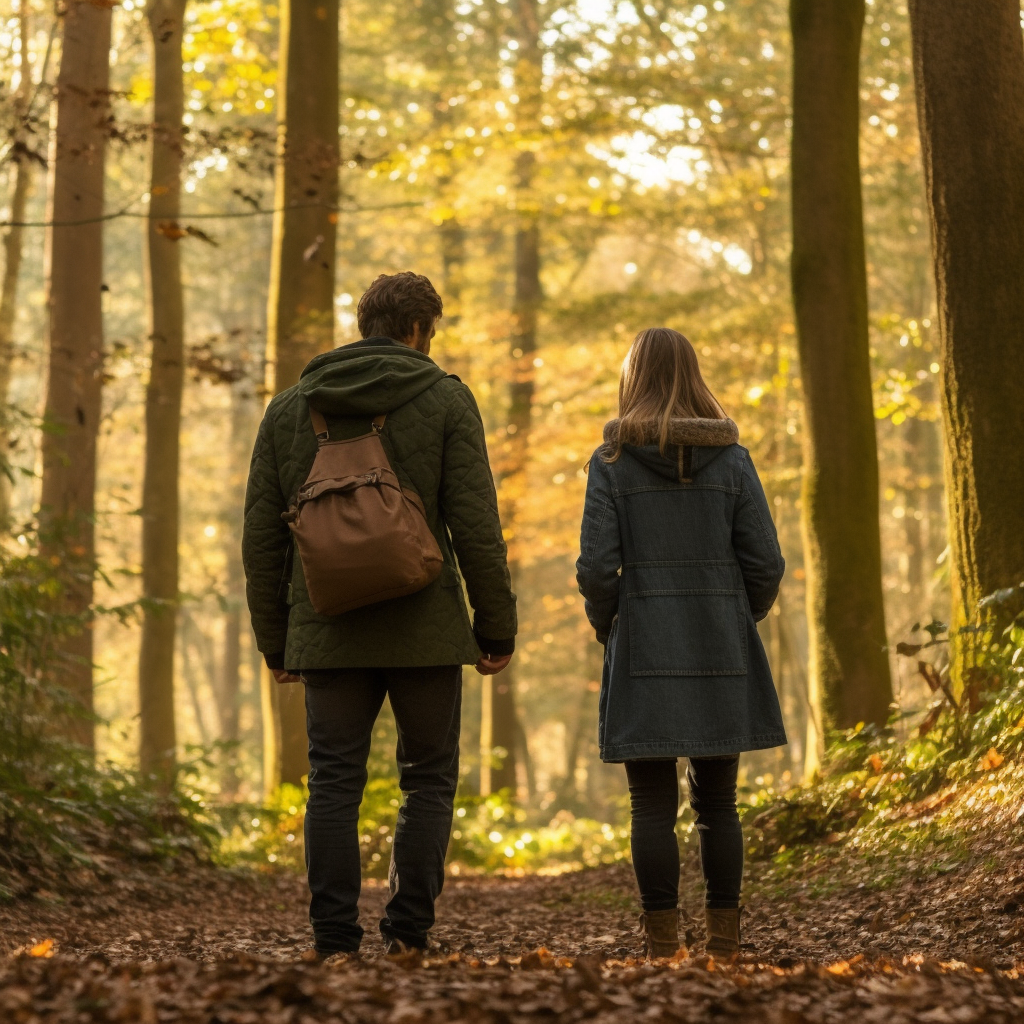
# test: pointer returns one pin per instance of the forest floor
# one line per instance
(935, 935)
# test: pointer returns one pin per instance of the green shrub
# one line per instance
(58, 808)
(874, 777)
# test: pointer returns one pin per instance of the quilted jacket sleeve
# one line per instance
(469, 506)
(266, 542)
(756, 543)
(597, 569)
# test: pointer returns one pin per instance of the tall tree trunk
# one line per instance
(74, 391)
(300, 309)
(453, 257)
(160, 510)
(849, 667)
(969, 74)
(21, 172)
(243, 427)
(526, 302)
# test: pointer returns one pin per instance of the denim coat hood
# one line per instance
(678, 559)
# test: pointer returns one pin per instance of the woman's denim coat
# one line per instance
(679, 558)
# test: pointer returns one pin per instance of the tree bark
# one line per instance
(244, 418)
(969, 75)
(21, 171)
(849, 667)
(160, 502)
(300, 309)
(526, 302)
(74, 391)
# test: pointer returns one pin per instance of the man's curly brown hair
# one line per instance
(395, 303)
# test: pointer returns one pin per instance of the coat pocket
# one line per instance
(687, 633)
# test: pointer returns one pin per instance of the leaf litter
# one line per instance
(831, 940)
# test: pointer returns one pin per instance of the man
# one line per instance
(410, 649)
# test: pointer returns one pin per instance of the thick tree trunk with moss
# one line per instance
(849, 666)
(160, 505)
(75, 370)
(969, 74)
(21, 173)
(300, 311)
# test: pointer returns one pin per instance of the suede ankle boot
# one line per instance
(661, 933)
(723, 924)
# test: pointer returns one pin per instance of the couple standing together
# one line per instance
(678, 559)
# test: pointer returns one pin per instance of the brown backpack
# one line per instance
(362, 537)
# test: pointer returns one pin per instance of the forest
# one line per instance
(827, 199)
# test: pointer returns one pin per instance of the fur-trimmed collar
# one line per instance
(710, 433)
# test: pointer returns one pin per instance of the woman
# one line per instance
(679, 558)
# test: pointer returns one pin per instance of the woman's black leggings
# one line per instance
(654, 797)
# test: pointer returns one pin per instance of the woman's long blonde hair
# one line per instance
(660, 381)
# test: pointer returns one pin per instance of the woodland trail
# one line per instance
(942, 944)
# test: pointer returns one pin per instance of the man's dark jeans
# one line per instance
(341, 708)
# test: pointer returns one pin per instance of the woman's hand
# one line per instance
(282, 675)
(488, 666)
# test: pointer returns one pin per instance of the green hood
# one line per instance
(369, 378)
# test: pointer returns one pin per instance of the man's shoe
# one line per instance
(402, 953)
(328, 956)
(723, 924)
(661, 933)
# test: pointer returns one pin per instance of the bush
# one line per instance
(489, 835)
(58, 808)
(874, 777)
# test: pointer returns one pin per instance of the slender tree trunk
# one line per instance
(969, 74)
(160, 502)
(243, 410)
(453, 257)
(913, 514)
(526, 303)
(300, 309)
(849, 667)
(74, 390)
(21, 171)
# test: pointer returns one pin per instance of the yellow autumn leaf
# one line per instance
(44, 948)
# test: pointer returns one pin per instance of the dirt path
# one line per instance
(943, 946)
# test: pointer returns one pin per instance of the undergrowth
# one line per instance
(60, 811)
(916, 782)
(490, 835)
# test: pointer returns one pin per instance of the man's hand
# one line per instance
(282, 675)
(488, 666)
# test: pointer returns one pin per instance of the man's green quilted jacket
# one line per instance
(434, 439)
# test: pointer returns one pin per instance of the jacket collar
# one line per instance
(709, 433)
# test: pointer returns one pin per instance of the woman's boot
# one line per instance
(661, 933)
(723, 924)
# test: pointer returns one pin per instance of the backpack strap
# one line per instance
(320, 425)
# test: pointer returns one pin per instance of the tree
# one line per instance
(163, 398)
(969, 75)
(244, 422)
(300, 311)
(74, 393)
(506, 733)
(849, 668)
(21, 163)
